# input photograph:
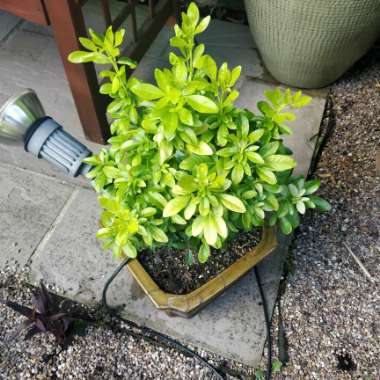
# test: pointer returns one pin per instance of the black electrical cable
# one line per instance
(267, 323)
(149, 334)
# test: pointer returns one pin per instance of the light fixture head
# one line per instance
(23, 122)
(17, 115)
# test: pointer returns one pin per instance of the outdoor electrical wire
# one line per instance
(149, 334)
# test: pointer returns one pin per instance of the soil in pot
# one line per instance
(169, 268)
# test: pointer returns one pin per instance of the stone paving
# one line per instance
(49, 220)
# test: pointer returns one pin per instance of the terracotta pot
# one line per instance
(189, 304)
(311, 43)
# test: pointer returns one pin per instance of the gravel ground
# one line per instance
(329, 307)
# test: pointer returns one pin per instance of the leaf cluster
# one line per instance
(185, 165)
(45, 316)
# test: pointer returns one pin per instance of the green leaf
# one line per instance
(127, 61)
(320, 203)
(231, 98)
(170, 124)
(202, 26)
(204, 253)
(210, 231)
(105, 88)
(87, 43)
(232, 203)
(109, 36)
(148, 211)
(312, 186)
(158, 234)
(202, 149)
(197, 226)
(198, 53)
(177, 42)
(97, 38)
(299, 100)
(227, 152)
(276, 366)
(265, 109)
(259, 374)
(269, 149)
(284, 116)
(157, 199)
(293, 190)
(104, 233)
(278, 162)
(254, 157)
(165, 150)
(202, 104)
(193, 13)
(119, 36)
(190, 209)
(81, 56)
(286, 226)
(147, 91)
(275, 96)
(266, 175)
(301, 207)
(209, 66)
(235, 74)
(255, 135)
(115, 84)
(175, 205)
(221, 226)
(272, 201)
(130, 250)
(223, 75)
(111, 171)
(115, 105)
(204, 206)
(237, 174)
(185, 116)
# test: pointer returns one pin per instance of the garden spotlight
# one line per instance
(23, 122)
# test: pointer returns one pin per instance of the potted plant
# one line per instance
(311, 43)
(187, 172)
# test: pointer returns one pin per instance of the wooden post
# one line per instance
(66, 19)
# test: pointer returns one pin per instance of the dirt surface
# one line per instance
(173, 274)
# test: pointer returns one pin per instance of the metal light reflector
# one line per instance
(23, 122)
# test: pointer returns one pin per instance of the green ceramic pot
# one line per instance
(311, 43)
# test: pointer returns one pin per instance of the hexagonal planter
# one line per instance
(189, 304)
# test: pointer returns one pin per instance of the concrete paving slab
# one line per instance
(73, 258)
(227, 34)
(7, 23)
(29, 206)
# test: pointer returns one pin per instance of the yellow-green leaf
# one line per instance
(210, 231)
(279, 162)
(185, 116)
(147, 91)
(232, 203)
(202, 26)
(202, 104)
(202, 149)
(266, 175)
(204, 253)
(175, 205)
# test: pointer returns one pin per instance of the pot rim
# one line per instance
(187, 305)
